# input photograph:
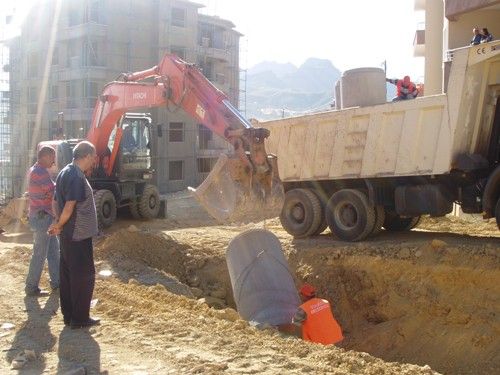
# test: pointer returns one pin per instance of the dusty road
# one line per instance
(418, 302)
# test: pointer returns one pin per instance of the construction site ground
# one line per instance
(423, 301)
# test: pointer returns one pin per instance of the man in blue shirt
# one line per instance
(77, 224)
(476, 37)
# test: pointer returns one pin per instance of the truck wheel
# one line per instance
(105, 205)
(301, 213)
(323, 224)
(497, 212)
(134, 209)
(395, 223)
(349, 215)
(379, 219)
(149, 202)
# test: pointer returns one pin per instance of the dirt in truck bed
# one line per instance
(420, 302)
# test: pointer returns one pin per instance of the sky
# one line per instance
(350, 33)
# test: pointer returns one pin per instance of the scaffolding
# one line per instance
(6, 167)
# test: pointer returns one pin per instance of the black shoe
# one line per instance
(89, 323)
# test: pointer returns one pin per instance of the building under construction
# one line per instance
(68, 50)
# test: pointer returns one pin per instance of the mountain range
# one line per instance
(275, 90)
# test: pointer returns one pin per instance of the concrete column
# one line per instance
(434, 18)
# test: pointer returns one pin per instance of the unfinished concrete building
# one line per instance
(92, 42)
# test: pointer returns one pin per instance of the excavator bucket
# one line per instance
(229, 194)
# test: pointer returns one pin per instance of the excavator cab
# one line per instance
(134, 158)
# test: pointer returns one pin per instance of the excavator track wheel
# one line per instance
(149, 202)
(301, 213)
(349, 215)
(105, 205)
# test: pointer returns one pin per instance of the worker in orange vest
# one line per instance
(315, 318)
(406, 88)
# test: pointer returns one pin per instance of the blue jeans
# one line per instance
(44, 247)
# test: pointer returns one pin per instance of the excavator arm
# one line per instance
(174, 84)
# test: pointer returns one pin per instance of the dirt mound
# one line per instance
(466, 224)
(431, 303)
(158, 258)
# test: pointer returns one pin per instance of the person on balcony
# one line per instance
(476, 37)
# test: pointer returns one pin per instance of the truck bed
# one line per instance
(416, 137)
(394, 139)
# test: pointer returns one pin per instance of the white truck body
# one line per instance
(405, 138)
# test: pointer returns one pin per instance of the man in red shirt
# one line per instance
(41, 216)
(315, 318)
(406, 88)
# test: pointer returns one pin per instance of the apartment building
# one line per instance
(448, 26)
(92, 42)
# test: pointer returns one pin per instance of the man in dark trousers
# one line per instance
(76, 225)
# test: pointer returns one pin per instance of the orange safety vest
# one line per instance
(320, 325)
(399, 85)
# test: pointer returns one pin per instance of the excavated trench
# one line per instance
(423, 302)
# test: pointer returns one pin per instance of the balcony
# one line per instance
(93, 73)
(84, 30)
(419, 43)
(215, 51)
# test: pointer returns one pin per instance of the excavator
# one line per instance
(243, 185)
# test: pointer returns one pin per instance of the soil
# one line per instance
(424, 301)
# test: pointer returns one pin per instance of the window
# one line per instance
(54, 92)
(179, 17)
(92, 12)
(72, 56)
(179, 51)
(205, 165)
(55, 56)
(89, 54)
(74, 17)
(91, 92)
(33, 65)
(176, 170)
(207, 68)
(72, 93)
(204, 136)
(176, 132)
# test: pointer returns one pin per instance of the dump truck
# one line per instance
(358, 169)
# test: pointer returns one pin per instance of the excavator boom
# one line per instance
(246, 178)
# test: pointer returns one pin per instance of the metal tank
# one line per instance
(338, 97)
(363, 87)
(263, 286)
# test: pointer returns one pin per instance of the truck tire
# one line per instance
(497, 212)
(105, 205)
(134, 209)
(395, 223)
(349, 215)
(301, 213)
(149, 202)
(323, 224)
(379, 219)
